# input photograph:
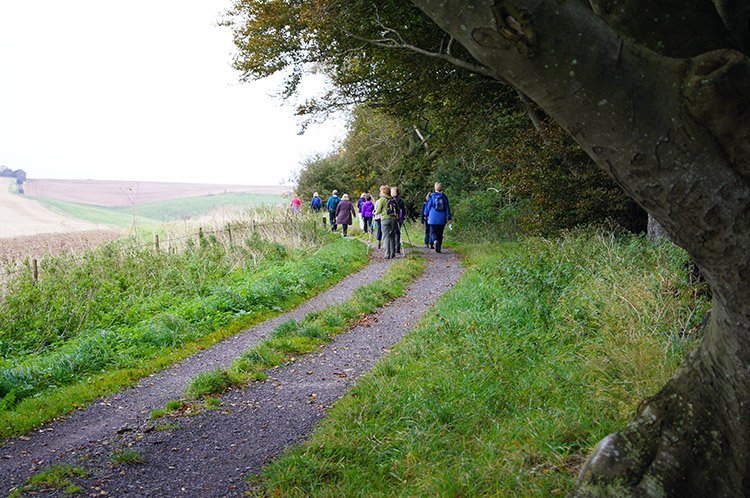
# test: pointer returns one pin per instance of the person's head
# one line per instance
(315, 194)
(369, 197)
(363, 195)
(335, 192)
(438, 187)
(345, 197)
(394, 191)
(385, 190)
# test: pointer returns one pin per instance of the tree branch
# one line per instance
(392, 43)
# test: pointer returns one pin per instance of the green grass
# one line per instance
(177, 209)
(92, 328)
(97, 214)
(127, 456)
(54, 477)
(155, 213)
(542, 348)
(293, 338)
(212, 382)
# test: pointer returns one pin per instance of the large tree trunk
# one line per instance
(656, 231)
(675, 133)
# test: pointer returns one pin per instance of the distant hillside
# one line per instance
(155, 213)
(22, 216)
(122, 193)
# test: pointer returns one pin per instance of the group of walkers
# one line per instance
(387, 213)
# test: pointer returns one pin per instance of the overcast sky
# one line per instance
(140, 91)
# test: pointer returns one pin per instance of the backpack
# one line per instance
(392, 208)
(316, 202)
(334, 203)
(440, 203)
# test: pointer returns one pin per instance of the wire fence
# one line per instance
(221, 228)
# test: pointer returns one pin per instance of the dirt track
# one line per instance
(207, 455)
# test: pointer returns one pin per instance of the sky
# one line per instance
(141, 91)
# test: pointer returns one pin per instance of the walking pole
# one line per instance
(407, 238)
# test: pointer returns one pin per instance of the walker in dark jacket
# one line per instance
(331, 206)
(316, 204)
(438, 214)
(344, 212)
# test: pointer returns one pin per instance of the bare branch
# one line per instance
(396, 44)
(423, 139)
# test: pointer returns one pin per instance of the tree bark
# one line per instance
(675, 133)
(656, 231)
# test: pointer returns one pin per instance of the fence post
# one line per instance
(34, 271)
(229, 232)
(325, 221)
(156, 241)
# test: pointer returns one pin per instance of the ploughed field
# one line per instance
(29, 229)
(121, 193)
(23, 217)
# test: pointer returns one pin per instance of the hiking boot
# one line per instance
(438, 247)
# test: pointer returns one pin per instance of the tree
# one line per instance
(323, 174)
(560, 187)
(657, 94)
(424, 108)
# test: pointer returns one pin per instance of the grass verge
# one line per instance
(42, 386)
(293, 338)
(54, 477)
(542, 349)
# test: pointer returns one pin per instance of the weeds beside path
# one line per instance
(207, 454)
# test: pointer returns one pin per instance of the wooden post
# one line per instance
(34, 271)
(156, 242)
(229, 232)
(325, 221)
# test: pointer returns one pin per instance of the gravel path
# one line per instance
(207, 455)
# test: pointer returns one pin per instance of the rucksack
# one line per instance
(440, 203)
(316, 201)
(392, 208)
(333, 204)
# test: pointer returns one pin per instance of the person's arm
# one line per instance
(447, 209)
